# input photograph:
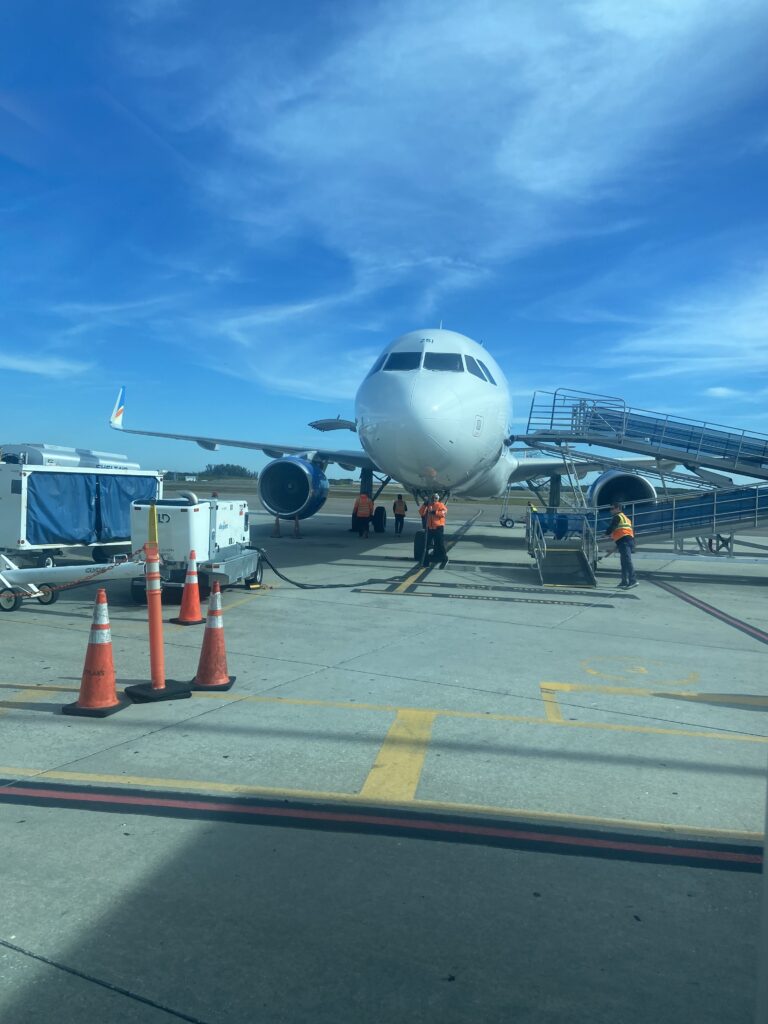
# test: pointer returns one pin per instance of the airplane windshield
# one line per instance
(474, 368)
(449, 361)
(377, 365)
(403, 361)
(486, 371)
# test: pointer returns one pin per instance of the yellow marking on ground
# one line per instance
(551, 705)
(241, 600)
(358, 800)
(24, 697)
(626, 666)
(410, 580)
(397, 769)
(485, 716)
(626, 691)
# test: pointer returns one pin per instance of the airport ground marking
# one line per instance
(551, 705)
(711, 734)
(18, 700)
(633, 669)
(398, 766)
(730, 620)
(11, 775)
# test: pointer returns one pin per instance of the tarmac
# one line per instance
(435, 796)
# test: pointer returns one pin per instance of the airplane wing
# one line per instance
(348, 460)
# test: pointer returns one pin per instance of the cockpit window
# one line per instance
(474, 368)
(486, 371)
(449, 361)
(377, 365)
(403, 361)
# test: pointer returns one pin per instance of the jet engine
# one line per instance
(617, 486)
(291, 487)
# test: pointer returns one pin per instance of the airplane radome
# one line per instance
(432, 413)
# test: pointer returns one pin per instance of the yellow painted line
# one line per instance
(357, 799)
(626, 691)
(551, 705)
(241, 600)
(410, 580)
(485, 716)
(397, 769)
(24, 697)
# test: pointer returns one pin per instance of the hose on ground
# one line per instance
(322, 586)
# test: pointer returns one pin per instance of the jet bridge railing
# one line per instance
(702, 514)
(573, 415)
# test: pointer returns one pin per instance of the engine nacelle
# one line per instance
(291, 487)
(617, 486)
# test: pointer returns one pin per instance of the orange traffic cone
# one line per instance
(98, 694)
(212, 667)
(190, 614)
(296, 530)
(276, 527)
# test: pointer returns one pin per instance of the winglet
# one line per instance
(116, 419)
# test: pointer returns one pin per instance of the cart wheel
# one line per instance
(9, 600)
(254, 580)
(48, 593)
(507, 523)
(46, 562)
(100, 555)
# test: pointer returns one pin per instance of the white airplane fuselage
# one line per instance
(435, 417)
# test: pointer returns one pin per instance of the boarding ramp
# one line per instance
(570, 557)
(700, 514)
(578, 417)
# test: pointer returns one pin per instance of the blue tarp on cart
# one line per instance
(61, 508)
(115, 496)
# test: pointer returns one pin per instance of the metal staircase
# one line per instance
(568, 561)
(579, 417)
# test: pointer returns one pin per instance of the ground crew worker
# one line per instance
(531, 507)
(620, 530)
(363, 511)
(436, 513)
(399, 508)
(423, 514)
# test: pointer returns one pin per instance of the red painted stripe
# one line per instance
(422, 824)
(730, 620)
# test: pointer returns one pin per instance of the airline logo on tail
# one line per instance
(116, 419)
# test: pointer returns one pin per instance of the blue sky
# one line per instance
(232, 207)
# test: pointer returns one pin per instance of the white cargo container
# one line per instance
(46, 509)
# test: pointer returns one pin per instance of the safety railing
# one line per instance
(703, 514)
(575, 415)
(537, 544)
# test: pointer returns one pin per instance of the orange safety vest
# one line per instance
(399, 507)
(423, 510)
(363, 506)
(623, 528)
(436, 515)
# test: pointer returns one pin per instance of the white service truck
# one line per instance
(54, 498)
(216, 529)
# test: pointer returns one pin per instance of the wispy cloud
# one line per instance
(44, 365)
(721, 329)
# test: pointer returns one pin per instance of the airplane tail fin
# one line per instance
(116, 419)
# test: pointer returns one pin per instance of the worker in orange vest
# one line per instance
(363, 512)
(436, 513)
(399, 508)
(620, 530)
(423, 513)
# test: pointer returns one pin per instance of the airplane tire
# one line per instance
(380, 520)
(419, 540)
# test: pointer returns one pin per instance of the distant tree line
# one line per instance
(226, 469)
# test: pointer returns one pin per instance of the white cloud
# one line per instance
(720, 330)
(723, 393)
(44, 365)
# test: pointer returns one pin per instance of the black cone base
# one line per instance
(75, 709)
(193, 622)
(217, 686)
(145, 693)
